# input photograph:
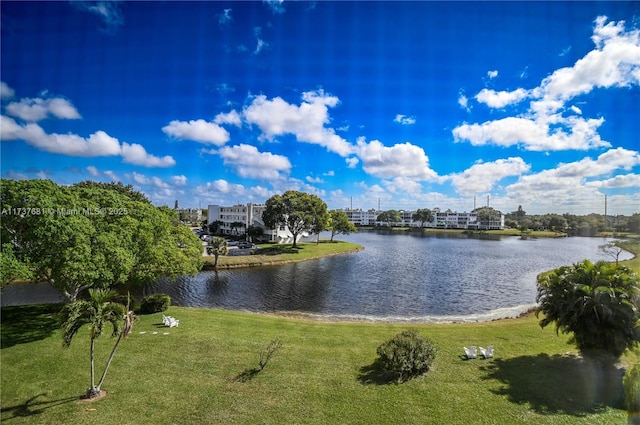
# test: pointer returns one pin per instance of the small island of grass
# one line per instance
(275, 254)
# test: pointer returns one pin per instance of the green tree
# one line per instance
(98, 312)
(11, 268)
(217, 246)
(391, 216)
(89, 236)
(214, 227)
(236, 225)
(339, 223)
(423, 215)
(299, 211)
(598, 303)
(254, 232)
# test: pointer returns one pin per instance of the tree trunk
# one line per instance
(106, 368)
(92, 388)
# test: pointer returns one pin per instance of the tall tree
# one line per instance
(598, 303)
(423, 215)
(217, 246)
(98, 312)
(339, 223)
(299, 211)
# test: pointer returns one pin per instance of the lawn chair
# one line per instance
(170, 321)
(487, 352)
(471, 352)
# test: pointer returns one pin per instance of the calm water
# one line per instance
(397, 277)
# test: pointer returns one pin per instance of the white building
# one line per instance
(441, 219)
(237, 219)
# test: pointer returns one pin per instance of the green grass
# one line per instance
(272, 254)
(200, 373)
(633, 246)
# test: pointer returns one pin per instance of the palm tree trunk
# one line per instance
(91, 389)
(106, 368)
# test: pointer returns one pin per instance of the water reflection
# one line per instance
(399, 276)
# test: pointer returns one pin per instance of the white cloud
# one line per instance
(576, 184)
(180, 180)
(260, 43)
(232, 118)
(225, 17)
(314, 180)
(136, 154)
(276, 6)
(248, 162)
(352, 162)
(463, 101)
(155, 182)
(615, 62)
(33, 110)
(404, 119)
(400, 160)
(492, 74)
(482, 177)
(307, 121)
(108, 11)
(535, 135)
(93, 171)
(198, 131)
(6, 92)
(97, 144)
(500, 99)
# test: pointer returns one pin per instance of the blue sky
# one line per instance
(405, 105)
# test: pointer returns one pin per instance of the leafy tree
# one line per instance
(339, 223)
(98, 312)
(298, 211)
(128, 190)
(254, 232)
(599, 303)
(423, 215)
(217, 246)
(236, 225)
(391, 216)
(214, 227)
(11, 268)
(88, 236)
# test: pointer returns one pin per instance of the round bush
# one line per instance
(155, 303)
(407, 355)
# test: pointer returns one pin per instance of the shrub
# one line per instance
(631, 382)
(407, 355)
(155, 303)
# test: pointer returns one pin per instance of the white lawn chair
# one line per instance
(471, 352)
(487, 352)
(170, 321)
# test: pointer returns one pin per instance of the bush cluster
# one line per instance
(407, 355)
(155, 303)
(631, 382)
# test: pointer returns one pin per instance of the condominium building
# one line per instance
(236, 219)
(441, 219)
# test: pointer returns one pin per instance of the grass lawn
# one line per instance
(270, 254)
(323, 374)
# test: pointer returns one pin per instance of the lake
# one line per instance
(397, 277)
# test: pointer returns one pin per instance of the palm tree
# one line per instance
(599, 303)
(98, 312)
(217, 246)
